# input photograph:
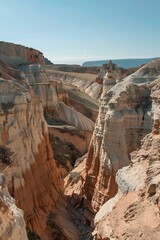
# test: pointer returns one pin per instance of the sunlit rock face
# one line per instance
(12, 224)
(109, 72)
(54, 99)
(112, 73)
(16, 55)
(124, 119)
(91, 88)
(122, 122)
(32, 176)
(134, 212)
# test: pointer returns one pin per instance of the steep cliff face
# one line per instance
(32, 176)
(82, 102)
(134, 212)
(54, 99)
(48, 91)
(15, 55)
(12, 224)
(31, 96)
(33, 179)
(122, 122)
(88, 86)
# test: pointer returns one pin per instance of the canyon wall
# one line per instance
(12, 224)
(124, 119)
(32, 176)
(33, 101)
(31, 172)
(122, 122)
(134, 212)
(27, 162)
(54, 99)
(89, 87)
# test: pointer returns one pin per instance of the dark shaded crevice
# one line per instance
(76, 208)
(63, 151)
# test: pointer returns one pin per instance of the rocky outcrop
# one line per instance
(28, 156)
(124, 119)
(88, 86)
(146, 74)
(82, 102)
(12, 224)
(15, 54)
(122, 122)
(6, 72)
(24, 132)
(54, 99)
(106, 70)
(31, 96)
(27, 161)
(134, 212)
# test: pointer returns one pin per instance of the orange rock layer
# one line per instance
(41, 190)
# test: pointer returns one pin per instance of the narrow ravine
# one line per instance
(77, 215)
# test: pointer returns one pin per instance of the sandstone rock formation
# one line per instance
(54, 99)
(134, 212)
(15, 55)
(117, 73)
(41, 121)
(122, 122)
(27, 161)
(88, 86)
(124, 119)
(146, 74)
(27, 95)
(24, 131)
(82, 102)
(12, 224)
(104, 72)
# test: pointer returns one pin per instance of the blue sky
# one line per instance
(73, 31)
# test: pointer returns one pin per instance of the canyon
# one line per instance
(79, 149)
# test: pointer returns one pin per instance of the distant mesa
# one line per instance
(123, 63)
